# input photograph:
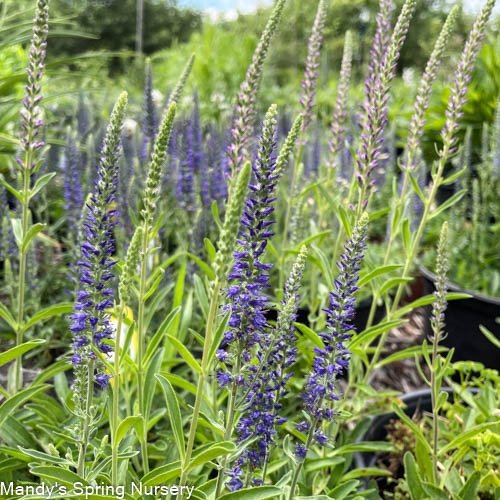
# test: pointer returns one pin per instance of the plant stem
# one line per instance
(230, 421)
(434, 409)
(86, 421)
(298, 468)
(18, 377)
(140, 351)
(288, 211)
(201, 382)
(116, 398)
(413, 251)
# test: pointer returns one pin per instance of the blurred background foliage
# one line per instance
(92, 42)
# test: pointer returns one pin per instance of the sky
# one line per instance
(229, 8)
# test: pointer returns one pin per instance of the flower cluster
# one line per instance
(266, 385)
(337, 126)
(248, 325)
(439, 305)
(312, 64)
(245, 107)
(31, 114)
(331, 360)
(382, 71)
(422, 99)
(463, 75)
(149, 120)
(90, 320)
(73, 194)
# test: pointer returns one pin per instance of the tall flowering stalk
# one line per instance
(124, 289)
(307, 103)
(245, 106)
(249, 275)
(149, 119)
(225, 246)
(437, 323)
(310, 80)
(176, 94)
(337, 125)
(90, 320)
(31, 143)
(333, 359)
(415, 132)
(148, 212)
(375, 104)
(456, 102)
(262, 401)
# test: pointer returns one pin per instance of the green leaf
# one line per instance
(448, 203)
(160, 333)
(381, 446)
(32, 232)
(366, 278)
(57, 474)
(429, 299)
(201, 295)
(43, 457)
(150, 381)
(49, 312)
(469, 490)
(490, 336)
(392, 282)
(179, 293)
(214, 451)
(409, 422)
(218, 336)
(325, 267)
(434, 492)
(407, 236)
(161, 475)
(312, 335)
(174, 414)
(202, 265)
(41, 183)
(368, 335)
(124, 426)
(412, 477)
(181, 382)
(342, 490)
(7, 316)
(417, 188)
(17, 229)
(18, 399)
(17, 351)
(210, 249)
(185, 353)
(344, 219)
(454, 176)
(259, 493)
(465, 436)
(409, 352)
(365, 471)
(307, 241)
(11, 189)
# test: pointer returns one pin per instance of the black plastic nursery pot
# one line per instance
(463, 318)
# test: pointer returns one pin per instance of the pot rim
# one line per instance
(426, 273)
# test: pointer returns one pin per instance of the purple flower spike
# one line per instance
(31, 113)
(312, 64)
(333, 358)
(90, 320)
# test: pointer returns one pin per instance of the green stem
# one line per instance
(18, 377)
(140, 351)
(298, 468)
(116, 398)
(412, 253)
(434, 409)
(201, 382)
(86, 420)
(230, 421)
(288, 211)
